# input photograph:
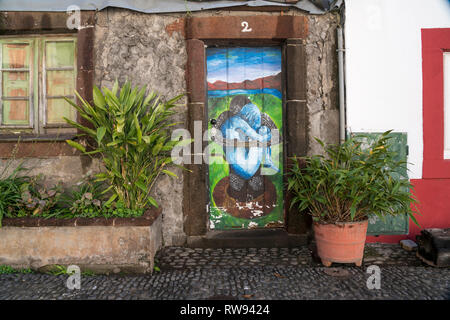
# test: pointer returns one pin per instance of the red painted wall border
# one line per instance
(434, 43)
(433, 190)
(434, 208)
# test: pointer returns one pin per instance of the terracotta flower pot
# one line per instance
(342, 242)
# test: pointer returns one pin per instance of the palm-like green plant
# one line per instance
(11, 186)
(351, 181)
(131, 132)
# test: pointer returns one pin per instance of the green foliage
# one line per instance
(131, 132)
(88, 273)
(85, 199)
(351, 181)
(25, 197)
(87, 204)
(88, 200)
(37, 199)
(4, 269)
(118, 209)
(11, 186)
(155, 267)
(58, 270)
(22, 195)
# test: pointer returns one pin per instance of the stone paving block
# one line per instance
(408, 245)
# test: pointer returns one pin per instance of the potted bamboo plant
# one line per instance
(341, 188)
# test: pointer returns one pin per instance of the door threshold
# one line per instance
(256, 238)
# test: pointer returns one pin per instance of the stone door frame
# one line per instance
(290, 33)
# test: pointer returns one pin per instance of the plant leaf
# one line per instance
(170, 173)
(111, 199)
(76, 145)
(99, 99)
(100, 134)
(153, 201)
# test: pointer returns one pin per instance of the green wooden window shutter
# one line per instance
(398, 224)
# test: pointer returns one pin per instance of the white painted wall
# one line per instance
(384, 66)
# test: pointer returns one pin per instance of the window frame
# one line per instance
(38, 128)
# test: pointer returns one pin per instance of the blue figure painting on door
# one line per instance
(245, 104)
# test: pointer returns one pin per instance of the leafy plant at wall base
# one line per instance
(39, 200)
(4, 269)
(351, 181)
(86, 199)
(58, 270)
(88, 273)
(155, 267)
(11, 186)
(131, 131)
(118, 209)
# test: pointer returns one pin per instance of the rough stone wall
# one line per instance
(322, 84)
(149, 49)
(136, 46)
(66, 170)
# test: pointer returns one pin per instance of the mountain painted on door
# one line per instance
(243, 68)
(269, 82)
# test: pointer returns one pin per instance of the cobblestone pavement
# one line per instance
(186, 258)
(247, 274)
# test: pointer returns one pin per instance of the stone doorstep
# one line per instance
(261, 238)
(146, 219)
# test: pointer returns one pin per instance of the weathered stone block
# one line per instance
(408, 245)
(65, 169)
(90, 246)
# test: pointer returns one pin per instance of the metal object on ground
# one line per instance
(434, 247)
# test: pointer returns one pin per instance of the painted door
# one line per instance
(244, 135)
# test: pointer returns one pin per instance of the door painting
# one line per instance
(244, 133)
